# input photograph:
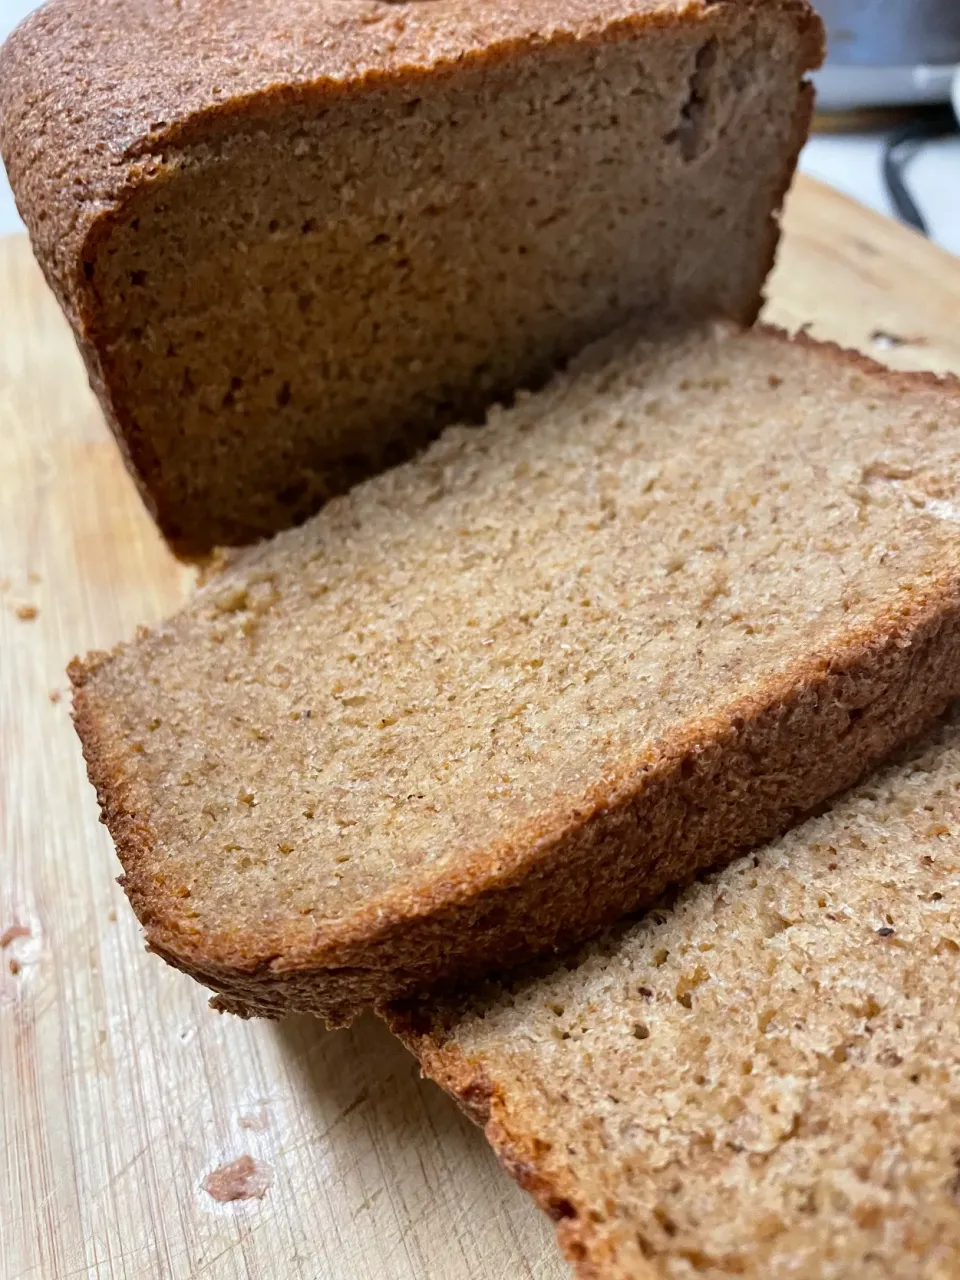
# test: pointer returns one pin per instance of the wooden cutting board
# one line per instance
(125, 1102)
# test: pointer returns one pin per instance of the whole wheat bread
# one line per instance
(498, 696)
(760, 1079)
(294, 239)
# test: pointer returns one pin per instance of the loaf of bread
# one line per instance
(760, 1079)
(294, 239)
(498, 696)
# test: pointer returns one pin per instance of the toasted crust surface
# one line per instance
(757, 1079)
(130, 83)
(251, 810)
(196, 185)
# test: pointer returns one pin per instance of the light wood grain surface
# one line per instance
(120, 1092)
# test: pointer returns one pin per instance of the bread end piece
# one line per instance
(291, 233)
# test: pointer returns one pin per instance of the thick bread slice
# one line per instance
(505, 693)
(761, 1079)
(295, 239)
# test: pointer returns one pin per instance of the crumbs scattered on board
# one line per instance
(884, 340)
(256, 1121)
(54, 695)
(241, 1179)
(25, 612)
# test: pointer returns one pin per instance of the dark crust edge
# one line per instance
(707, 793)
(516, 1146)
(767, 259)
(143, 167)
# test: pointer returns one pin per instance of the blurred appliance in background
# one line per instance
(894, 54)
(884, 53)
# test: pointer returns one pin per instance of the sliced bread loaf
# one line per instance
(294, 239)
(500, 695)
(760, 1079)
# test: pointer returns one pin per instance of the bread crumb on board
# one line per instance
(240, 1179)
(27, 612)
(257, 1121)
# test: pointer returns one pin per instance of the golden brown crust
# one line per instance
(710, 791)
(96, 102)
(92, 89)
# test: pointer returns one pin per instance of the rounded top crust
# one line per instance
(93, 91)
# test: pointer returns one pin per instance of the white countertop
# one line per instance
(850, 162)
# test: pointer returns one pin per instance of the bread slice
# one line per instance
(294, 239)
(501, 695)
(761, 1079)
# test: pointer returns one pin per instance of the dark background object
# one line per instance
(900, 148)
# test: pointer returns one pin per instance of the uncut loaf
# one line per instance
(296, 239)
(759, 1079)
(502, 694)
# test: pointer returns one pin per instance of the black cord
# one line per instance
(900, 149)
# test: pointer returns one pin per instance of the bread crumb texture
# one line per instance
(402, 701)
(761, 1078)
